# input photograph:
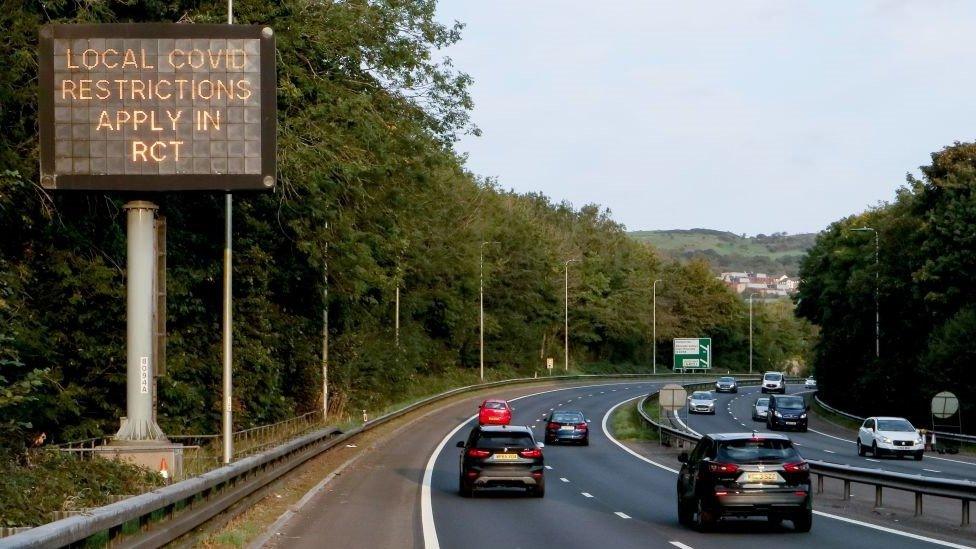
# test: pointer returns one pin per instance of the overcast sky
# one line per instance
(748, 116)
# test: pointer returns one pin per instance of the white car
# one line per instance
(889, 435)
(810, 383)
(774, 382)
(701, 402)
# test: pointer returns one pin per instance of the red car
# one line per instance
(494, 411)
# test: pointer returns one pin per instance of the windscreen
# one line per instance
(726, 379)
(773, 377)
(762, 402)
(701, 395)
(897, 425)
(791, 403)
(567, 417)
(755, 450)
(495, 405)
(504, 440)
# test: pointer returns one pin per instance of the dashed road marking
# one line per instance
(932, 470)
(564, 479)
(586, 494)
(680, 545)
(874, 460)
(830, 451)
(622, 515)
(549, 467)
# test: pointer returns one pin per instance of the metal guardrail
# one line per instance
(165, 514)
(963, 490)
(971, 439)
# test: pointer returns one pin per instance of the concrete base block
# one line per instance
(150, 455)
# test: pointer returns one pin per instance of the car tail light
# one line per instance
(581, 426)
(799, 493)
(723, 468)
(552, 426)
(534, 453)
(476, 453)
(798, 467)
(721, 493)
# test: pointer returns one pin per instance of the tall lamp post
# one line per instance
(877, 269)
(750, 329)
(481, 309)
(566, 313)
(654, 324)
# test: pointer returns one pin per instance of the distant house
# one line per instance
(760, 283)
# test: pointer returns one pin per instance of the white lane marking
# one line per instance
(893, 531)
(426, 503)
(549, 467)
(622, 515)
(678, 417)
(742, 424)
(932, 470)
(830, 451)
(874, 460)
(680, 545)
(586, 494)
(564, 479)
(821, 513)
(952, 460)
(831, 436)
(551, 409)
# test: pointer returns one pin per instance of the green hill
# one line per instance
(777, 253)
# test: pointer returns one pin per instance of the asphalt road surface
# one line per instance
(403, 493)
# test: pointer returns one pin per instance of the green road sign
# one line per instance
(692, 354)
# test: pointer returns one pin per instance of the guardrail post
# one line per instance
(847, 489)
(965, 512)
(877, 496)
(918, 504)
(820, 483)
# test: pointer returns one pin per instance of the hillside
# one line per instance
(777, 253)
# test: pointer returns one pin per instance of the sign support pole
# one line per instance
(228, 418)
(139, 425)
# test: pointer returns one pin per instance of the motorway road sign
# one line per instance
(672, 397)
(692, 354)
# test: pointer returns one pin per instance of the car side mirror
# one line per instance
(683, 457)
(460, 444)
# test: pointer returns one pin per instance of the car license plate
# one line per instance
(566, 428)
(761, 477)
(791, 423)
(506, 457)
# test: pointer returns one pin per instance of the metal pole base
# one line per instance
(140, 431)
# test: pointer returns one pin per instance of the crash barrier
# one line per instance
(962, 490)
(956, 437)
(163, 515)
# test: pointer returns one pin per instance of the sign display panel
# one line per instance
(692, 354)
(157, 107)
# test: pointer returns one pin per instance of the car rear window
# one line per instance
(504, 440)
(755, 450)
(495, 405)
(791, 403)
(567, 417)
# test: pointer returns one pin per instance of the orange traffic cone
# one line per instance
(163, 469)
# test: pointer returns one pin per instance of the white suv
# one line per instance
(774, 382)
(891, 435)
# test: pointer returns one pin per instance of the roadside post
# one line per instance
(671, 398)
(144, 109)
(549, 365)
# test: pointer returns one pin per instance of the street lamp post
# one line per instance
(877, 269)
(481, 310)
(654, 324)
(750, 330)
(566, 314)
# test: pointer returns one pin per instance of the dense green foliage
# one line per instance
(28, 494)
(927, 297)
(371, 190)
(774, 254)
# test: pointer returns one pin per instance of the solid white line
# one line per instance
(426, 503)
(821, 513)
(874, 460)
(893, 531)
(564, 479)
(932, 470)
(953, 460)
(680, 545)
(677, 417)
(586, 494)
(831, 436)
(622, 515)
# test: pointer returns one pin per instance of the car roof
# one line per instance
(740, 436)
(570, 411)
(502, 400)
(505, 429)
(888, 418)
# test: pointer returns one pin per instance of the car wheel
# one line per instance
(803, 521)
(874, 449)
(685, 515)
(586, 441)
(539, 490)
(464, 488)
(705, 519)
(803, 429)
(860, 448)
(918, 456)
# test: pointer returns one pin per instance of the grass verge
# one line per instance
(626, 424)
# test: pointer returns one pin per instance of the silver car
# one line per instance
(760, 409)
(701, 402)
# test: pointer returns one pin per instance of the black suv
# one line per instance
(567, 426)
(501, 456)
(744, 474)
(787, 412)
